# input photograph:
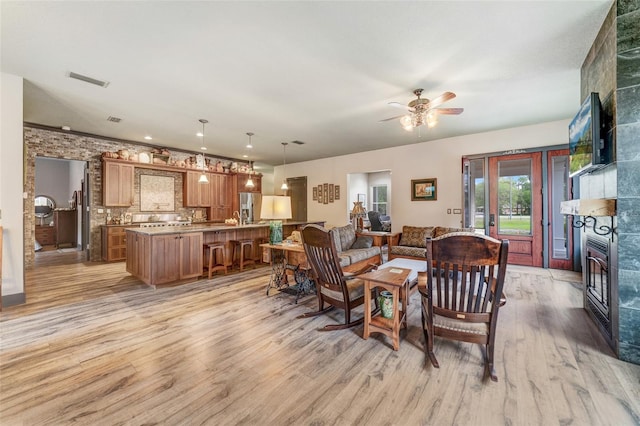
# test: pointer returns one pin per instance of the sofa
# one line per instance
(355, 251)
(411, 242)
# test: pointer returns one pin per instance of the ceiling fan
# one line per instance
(424, 111)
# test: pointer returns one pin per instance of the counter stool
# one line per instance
(243, 257)
(213, 265)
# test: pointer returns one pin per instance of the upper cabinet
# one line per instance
(196, 194)
(117, 184)
(221, 196)
(242, 182)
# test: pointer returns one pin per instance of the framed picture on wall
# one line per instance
(320, 195)
(337, 192)
(315, 193)
(325, 193)
(331, 194)
(424, 189)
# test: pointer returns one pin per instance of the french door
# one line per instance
(517, 197)
(515, 205)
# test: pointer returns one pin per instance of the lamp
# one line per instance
(284, 186)
(250, 183)
(200, 157)
(275, 208)
(357, 214)
(249, 145)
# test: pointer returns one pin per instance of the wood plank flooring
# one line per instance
(94, 346)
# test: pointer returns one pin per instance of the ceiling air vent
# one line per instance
(114, 119)
(88, 79)
(298, 142)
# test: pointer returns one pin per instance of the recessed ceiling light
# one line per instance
(148, 137)
(199, 134)
(67, 128)
(245, 156)
(204, 148)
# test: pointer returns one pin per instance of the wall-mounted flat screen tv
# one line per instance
(587, 148)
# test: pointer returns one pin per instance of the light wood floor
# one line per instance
(94, 346)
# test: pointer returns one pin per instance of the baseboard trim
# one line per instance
(13, 299)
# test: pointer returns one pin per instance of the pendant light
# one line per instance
(249, 145)
(250, 183)
(200, 157)
(284, 186)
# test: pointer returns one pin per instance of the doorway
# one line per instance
(61, 183)
(517, 197)
(298, 193)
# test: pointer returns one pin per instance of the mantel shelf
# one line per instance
(589, 207)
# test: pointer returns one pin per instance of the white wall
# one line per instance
(11, 184)
(439, 159)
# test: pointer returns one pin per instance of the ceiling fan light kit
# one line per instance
(423, 111)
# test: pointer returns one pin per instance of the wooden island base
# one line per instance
(172, 254)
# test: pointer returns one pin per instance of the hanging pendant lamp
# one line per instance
(284, 186)
(200, 157)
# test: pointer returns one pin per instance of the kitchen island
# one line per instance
(169, 254)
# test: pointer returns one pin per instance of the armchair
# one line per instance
(376, 222)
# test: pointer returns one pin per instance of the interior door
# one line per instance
(515, 205)
(298, 193)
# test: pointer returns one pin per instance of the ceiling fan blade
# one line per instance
(449, 111)
(398, 105)
(393, 118)
(446, 96)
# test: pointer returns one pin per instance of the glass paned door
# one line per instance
(515, 205)
(560, 230)
(474, 194)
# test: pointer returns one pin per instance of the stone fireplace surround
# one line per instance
(609, 70)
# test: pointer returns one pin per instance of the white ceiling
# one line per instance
(319, 72)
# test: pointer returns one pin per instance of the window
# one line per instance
(380, 200)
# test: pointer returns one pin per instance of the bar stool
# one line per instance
(213, 265)
(243, 257)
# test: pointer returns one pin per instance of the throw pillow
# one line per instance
(362, 242)
(441, 230)
(415, 236)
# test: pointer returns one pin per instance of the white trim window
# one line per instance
(380, 199)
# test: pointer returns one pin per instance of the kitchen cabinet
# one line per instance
(242, 179)
(114, 243)
(117, 184)
(46, 235)
(65, 222)
(175, 256)
(196, 194)
(221, 197)
(138, 260)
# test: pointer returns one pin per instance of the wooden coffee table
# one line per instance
(392, 279)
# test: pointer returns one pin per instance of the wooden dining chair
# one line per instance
(463, 293)
(333, 286)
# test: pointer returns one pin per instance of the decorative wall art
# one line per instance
(424, 189)
(326, 193)
(157, 193)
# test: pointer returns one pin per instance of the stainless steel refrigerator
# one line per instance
(250, 207)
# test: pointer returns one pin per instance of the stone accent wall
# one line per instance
(612, 68)
(628, 187)
(69, 146)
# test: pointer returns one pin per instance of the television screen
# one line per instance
(585, 146)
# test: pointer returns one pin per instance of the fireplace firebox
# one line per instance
(598, 283)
